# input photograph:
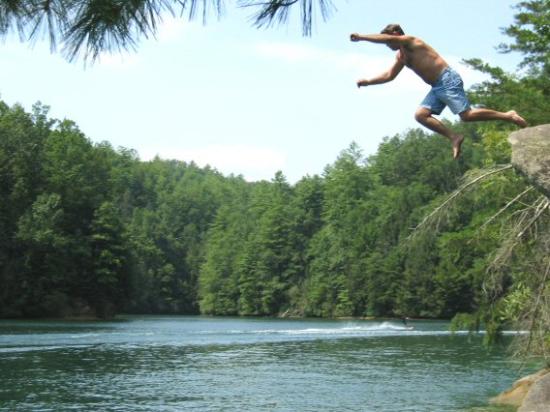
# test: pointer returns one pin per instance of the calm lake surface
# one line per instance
(147, 363)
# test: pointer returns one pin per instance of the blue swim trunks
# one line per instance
(448, 90)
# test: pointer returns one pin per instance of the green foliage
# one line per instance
(93, 27)
(110, 255)
(531, 33)
(465, 321)
(517, 283)
(529, 94)
(515, 302)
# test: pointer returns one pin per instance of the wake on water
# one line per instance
(380, 329)
(374, 330)
(250, 333)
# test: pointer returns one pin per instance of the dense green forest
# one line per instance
(89, 229)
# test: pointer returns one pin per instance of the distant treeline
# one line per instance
(89, 229)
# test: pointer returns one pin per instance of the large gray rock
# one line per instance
(519, 390)
(538, 397)
(531, 155)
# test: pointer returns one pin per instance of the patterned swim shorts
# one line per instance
(448, 90)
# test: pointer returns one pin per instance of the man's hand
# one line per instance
(363, 82)
(354, 37)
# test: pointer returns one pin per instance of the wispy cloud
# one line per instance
(253, 162)
(169, 30)
(356, 63)
(118, 61)
(291, 52)
(173, 28)
(300, 53)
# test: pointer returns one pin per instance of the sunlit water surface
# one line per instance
(147, 363)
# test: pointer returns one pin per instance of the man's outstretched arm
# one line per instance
(381, 38)
(385, 77)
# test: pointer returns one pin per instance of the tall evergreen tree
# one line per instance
(94, 26)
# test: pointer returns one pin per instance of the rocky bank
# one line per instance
(531, 158)
(531, 155)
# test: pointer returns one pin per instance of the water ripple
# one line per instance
(205, 364)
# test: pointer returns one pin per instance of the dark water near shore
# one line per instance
(147, 363)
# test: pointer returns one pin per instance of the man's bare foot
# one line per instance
(456, 141)
(516, 118)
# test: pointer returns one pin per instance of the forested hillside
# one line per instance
(85, 225)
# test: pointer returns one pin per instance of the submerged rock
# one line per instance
(531, 155)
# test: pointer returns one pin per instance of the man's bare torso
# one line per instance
(422, 59)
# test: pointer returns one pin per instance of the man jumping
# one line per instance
(447, 86)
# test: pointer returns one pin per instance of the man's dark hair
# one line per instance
(393, 29)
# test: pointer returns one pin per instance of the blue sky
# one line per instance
(254, 101)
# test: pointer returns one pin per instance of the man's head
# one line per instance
(393, 30)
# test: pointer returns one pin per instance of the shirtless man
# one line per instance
(447, 86)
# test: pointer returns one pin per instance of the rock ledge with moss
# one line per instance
(531, 155)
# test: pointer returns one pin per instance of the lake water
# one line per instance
(150, 363)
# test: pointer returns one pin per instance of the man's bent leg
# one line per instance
(476, 115)
(425, 118)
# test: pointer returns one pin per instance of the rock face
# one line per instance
(521, 390)
(531, 155)
(538, 397)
